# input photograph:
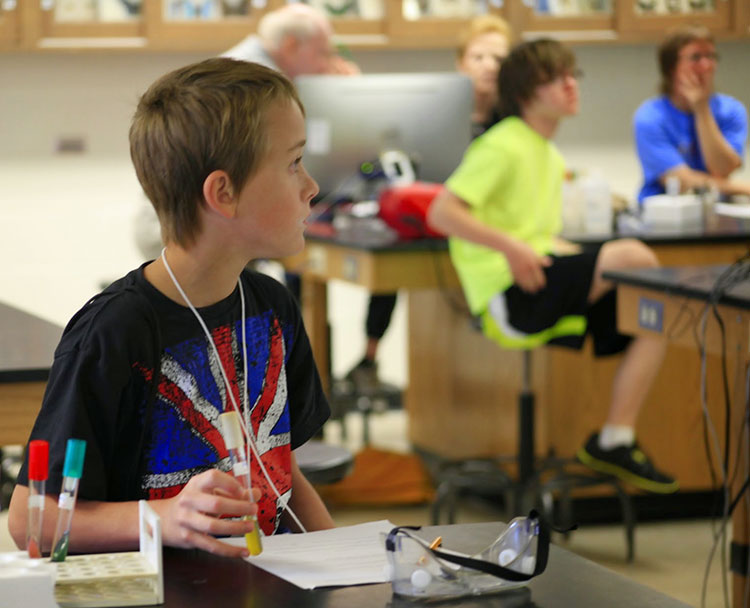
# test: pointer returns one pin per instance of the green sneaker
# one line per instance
(628, 463)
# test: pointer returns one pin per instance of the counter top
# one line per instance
(28, 345)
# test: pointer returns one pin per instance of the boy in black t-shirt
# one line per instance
(145, 368)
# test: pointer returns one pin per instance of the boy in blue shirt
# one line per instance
(145, 368)
(690, 132)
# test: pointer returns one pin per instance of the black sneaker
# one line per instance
(363, 377)
(629, 463)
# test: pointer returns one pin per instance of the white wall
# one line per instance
(66, 221)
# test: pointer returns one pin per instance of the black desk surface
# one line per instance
(688, 281)
(714, 229)
(194, 578)
(28, 345)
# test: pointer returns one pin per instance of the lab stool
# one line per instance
(321, 463)
(346, 398)
(536, 483)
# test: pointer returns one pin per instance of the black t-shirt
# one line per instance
(146, 439)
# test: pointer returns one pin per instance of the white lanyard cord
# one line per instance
(243, 416)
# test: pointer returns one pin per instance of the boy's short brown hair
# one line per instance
(484, 24)
(528, 66)
(197, 119)
(669, 51)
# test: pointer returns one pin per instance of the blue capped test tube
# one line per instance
(72, 470)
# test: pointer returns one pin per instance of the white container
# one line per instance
(572, 207)
(597, 204)
(26, 582)
(664, 210)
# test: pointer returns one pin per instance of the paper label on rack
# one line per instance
(240, 468)
(65, 501)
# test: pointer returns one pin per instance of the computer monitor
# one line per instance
(352, 119)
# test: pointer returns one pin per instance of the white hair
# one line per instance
(299, 20)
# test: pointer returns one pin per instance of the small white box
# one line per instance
(26, 582)
(669, 210)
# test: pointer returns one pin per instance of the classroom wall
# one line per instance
(66, 220)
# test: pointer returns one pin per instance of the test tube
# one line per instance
(72, 470)
(235, 442)
(38, 464)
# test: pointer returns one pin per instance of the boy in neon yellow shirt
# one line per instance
(501, 209)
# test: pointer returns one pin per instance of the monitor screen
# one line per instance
(352, 119)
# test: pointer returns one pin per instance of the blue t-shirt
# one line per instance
(665, 137)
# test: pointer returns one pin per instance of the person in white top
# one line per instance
(295, 40)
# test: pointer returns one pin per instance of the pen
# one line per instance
(72, 470)
(38, 462)
(240, 467)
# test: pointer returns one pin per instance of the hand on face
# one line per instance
(695, 88)
(339, 65)
(694, 76)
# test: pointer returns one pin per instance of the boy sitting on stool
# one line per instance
(502, 211)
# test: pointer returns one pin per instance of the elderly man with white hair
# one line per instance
(295, 40)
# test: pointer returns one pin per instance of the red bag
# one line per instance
(404, 208)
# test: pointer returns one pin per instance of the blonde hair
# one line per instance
(197, 119)
(484, 24)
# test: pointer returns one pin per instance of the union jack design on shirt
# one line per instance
(186, 434)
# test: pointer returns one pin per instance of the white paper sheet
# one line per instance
(350, 555)
(733, 210)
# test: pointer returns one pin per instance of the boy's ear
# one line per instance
(219, 194)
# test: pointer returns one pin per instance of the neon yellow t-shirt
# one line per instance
(511, 177)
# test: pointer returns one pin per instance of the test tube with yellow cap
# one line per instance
(235, 442)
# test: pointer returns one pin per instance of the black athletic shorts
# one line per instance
(565, 295)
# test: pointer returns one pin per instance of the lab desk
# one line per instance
(196, 579)
(462, 393)
(671, 302)
(28, 346)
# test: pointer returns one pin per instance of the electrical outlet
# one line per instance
(650, 314)
(70, 144)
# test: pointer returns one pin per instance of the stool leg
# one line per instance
(628, 519)
(526, 437)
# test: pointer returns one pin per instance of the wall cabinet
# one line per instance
(215, 25)
(645, 17)
(9, 24)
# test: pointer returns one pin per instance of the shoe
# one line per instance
(628, 463)
(363, 377)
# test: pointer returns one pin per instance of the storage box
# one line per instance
(664, 210)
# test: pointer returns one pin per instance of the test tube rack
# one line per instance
(116, 579)
(98, 580)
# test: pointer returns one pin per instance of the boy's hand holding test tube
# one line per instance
(241, 467)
